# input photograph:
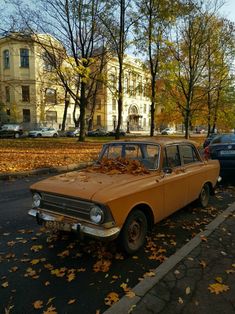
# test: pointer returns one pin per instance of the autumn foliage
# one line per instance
(119, 166)
(30, 154)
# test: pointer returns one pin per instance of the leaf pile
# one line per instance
(119, 166)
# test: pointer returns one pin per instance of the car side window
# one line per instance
(171, 157)
(188, 154)
(113, 151)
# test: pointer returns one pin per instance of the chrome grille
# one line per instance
(66, 206)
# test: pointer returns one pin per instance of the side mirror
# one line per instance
(167, 170)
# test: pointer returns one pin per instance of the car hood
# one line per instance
(99, 187)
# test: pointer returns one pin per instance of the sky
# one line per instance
(228, 10)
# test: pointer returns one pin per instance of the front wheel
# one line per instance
(204, 196)
(134, 232)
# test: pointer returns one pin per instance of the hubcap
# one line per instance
(134, 231)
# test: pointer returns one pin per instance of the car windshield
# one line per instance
(226, 138)
(9, 126)
(146, 154)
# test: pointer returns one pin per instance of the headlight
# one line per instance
(36, 200)
(96, 214)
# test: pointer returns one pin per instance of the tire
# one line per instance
(204, 196)
(39, 135)
(55, 135)
(17, 135)
(134, 231)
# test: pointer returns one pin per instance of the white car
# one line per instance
(168, 131)
(44, 132)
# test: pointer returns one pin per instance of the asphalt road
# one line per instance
(74, 276)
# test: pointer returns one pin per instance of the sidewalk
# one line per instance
(181, 283)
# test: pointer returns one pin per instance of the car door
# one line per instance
(194, 168)
(46, 132)
(175, 180)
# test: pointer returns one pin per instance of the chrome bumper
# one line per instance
(104, 234)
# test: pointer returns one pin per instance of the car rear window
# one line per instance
(228, 138)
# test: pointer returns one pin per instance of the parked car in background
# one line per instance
(11, 130)
(133, 184)
(113, 133)
(72, 132)
(168, 131)
(209, 139)
(97, 132)
(43, 132)
(222, 147)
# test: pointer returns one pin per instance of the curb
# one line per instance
(126, 305)
(60, 169)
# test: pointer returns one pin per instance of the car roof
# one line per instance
(154, 140)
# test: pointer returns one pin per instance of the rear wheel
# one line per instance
(55, 135)
(17, 135)
(39, 135)
(204, 196)
(134, 232)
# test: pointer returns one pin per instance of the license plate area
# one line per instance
(227, 152)
(58, 225)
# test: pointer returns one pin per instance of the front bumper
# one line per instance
(97, 232)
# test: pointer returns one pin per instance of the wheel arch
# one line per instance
(147, 210)
(212, 192)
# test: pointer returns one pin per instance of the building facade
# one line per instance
(136, 101)
(28, 94)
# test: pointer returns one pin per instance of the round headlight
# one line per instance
(96, 214)
(36, 200)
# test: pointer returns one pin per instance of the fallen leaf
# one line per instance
(36, 248)
(218, 288)
(5, 284)
(203, 264)
(38, 304)
(50, 310)
(72, 301)
(180, 300)
(188, 290)
(219, 279)
(111, 298)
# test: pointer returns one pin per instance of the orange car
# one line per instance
(133, 185)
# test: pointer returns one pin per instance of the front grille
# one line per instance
(66, 206)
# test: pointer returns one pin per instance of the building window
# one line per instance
(114, 105)
(49, 61)
(145, 108)
(98, 120)
(25, 93)
(24, 58)
(51, 116)
(7, 93)
(50, 96)
(26, 115)
(98, 104)
(69, 118)
(6, 59)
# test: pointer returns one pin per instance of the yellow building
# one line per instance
(28, 93)
(136, 103)
(31, 93)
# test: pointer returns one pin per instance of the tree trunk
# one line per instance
(82, 112)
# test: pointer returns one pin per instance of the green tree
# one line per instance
(190, 39)
(155, 18)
